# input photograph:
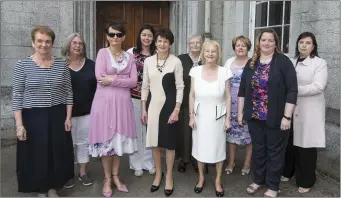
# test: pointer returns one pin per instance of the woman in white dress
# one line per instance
(210, 109)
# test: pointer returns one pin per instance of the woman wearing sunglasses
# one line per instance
(112, 121)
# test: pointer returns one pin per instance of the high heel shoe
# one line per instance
(169, 192)
(229, 170)
(154, 188)
(109, 193)
(199, 189)
(120, 187)
(245, 171)
(219, 194)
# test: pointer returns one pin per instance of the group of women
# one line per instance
(139, 101)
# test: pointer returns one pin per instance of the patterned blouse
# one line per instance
(259, 84)
(139, 60)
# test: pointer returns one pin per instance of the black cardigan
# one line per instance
(282, 88)
(187, 65)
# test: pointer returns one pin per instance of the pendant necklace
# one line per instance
(160, 67)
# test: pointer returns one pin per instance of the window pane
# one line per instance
(261, 14)
(287, 12)
(278, 30)
(275, 13)
(286, 39)
(257, 32)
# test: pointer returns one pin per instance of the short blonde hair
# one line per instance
(215, 44)
(242, 39)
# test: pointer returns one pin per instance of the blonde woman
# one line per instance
(267, 99)
(209, 111)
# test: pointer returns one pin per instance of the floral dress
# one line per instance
(238, 134)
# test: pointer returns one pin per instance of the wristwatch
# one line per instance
(288, 118)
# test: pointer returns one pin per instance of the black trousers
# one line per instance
(268, 151)
(184, 138)
(300, 162)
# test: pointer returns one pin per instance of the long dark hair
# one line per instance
(305, 35)
(138, 48)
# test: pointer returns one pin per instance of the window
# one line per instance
(271, 14)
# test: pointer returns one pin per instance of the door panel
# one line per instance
(132, 15)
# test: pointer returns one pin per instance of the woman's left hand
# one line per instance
(174, 117)
(227, 125)
(285, 124)
(67, 124)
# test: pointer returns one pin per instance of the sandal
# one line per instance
(229, 170)
(120, 187)
(271, 193)
(303, 190)
(109, 193)
(252, 188)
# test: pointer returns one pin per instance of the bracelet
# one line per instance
(68, 118)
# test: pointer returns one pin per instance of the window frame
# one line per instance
(252, 23)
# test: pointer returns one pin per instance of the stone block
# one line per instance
(322, 27)
(10, 17)
(332, 92)
(30, 18)
(328, 160)
(10, 34)
(328, 43)
(7, 68)
(322, 10)
(15, 52)
(302, 6)
(11, 6)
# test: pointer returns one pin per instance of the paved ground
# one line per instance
(234, 184)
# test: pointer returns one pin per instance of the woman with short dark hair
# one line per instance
(162, 77)
(112, 123)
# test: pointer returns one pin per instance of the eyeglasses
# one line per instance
(118, 35)
(77, 43)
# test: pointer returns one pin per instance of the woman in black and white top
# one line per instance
(84, 85)
(42, 105)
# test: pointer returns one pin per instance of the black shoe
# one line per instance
(169, 192)
(154, 188)
(219, 194)
(198, 189)
(182, 167)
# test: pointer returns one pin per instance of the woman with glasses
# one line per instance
(112, 121)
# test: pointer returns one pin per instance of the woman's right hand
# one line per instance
(192, 123)
(240, 119)
(144, 117)
(21, 133)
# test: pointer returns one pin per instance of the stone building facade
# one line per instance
(223, 20)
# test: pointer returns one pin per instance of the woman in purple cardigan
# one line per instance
(112, 122)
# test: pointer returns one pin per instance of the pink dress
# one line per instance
(112, 121)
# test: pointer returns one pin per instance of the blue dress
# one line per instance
(238, 134)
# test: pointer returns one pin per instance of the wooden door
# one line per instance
(132, 15)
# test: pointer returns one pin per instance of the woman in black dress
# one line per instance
(162, 76)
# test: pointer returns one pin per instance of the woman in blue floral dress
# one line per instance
(238, 135)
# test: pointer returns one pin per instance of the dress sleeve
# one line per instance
(145, 82)
(179, 81)
(100, 64)
(18, 86)
(68, 86)
(129, 82)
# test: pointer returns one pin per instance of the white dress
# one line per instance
(209, 136)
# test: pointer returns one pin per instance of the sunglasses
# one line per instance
(118, 35)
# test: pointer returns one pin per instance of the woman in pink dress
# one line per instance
(112, 122)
